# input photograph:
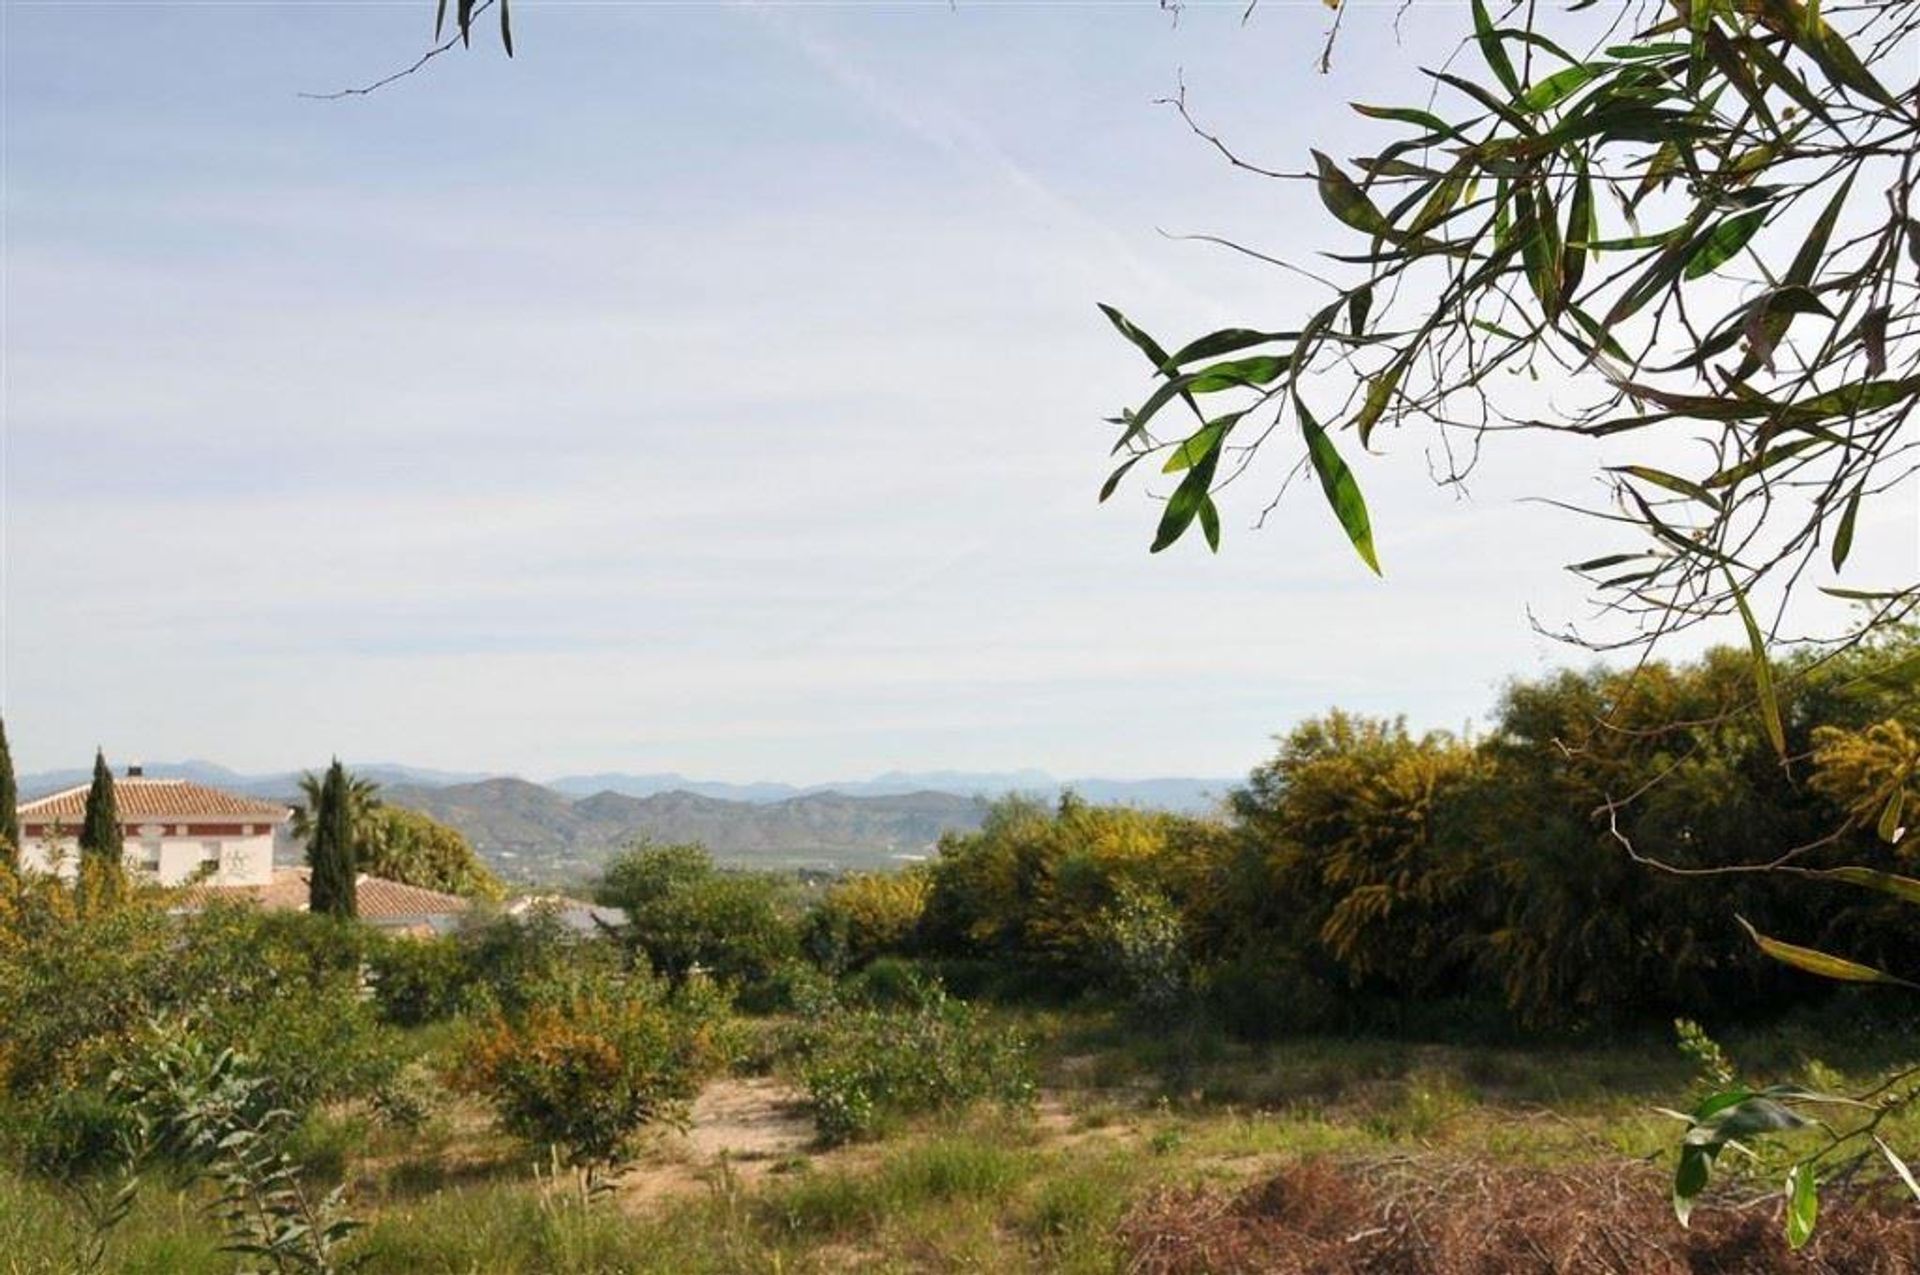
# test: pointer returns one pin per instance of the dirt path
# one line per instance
(758, 1126)
(750, 1125)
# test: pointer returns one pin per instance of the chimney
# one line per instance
(135, 771)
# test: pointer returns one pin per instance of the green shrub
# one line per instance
(866, 916)
(583, 1071)
(685, 914)
(1261, 998)
(409, 1099)
(890, 983)
(862, 1066)
(210, 1112)
(311, 1047)
(419, 981)
(790, 987)
(76, 1133)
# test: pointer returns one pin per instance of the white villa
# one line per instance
(175, 830)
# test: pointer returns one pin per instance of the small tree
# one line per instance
(684, 913)
(102, 846)
(588, 1066)
(330, 852)
(9, 806)
(416, 849)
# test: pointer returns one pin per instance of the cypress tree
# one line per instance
(101, 841)
(9, 806)
(330, 858)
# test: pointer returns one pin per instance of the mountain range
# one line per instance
(567, 828)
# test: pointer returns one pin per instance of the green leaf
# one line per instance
(1721, 244)
(1210, 523)
(1690, 1178)
(1899, 1166)
(1198, 446)
(1225, 341)
(1185, 503)
(1347, 201)
(1558, 86)
(1406, 115)
(1811, 961)
(1580, 226)
(1493, 50)
(1597, 334)
(1609, 560)
(1753, 1114)
(1851, 400)
(1865, 595)
(1148, 346)
(1672, 482)
(1660, 240)
(1359, 302)
(1764, 461)
(1380, 391)
(1813, 249)
(1803, 1204)
(1888, 826)
(1905, 889)
(1539, 236)
(1342, 492)
(1635, 52)
(1113, 480)
(1762, 672)
(1237, 374)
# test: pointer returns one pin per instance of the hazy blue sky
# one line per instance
(713, 388)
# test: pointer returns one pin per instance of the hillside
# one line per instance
(530, 831)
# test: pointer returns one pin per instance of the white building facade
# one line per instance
(176, 831)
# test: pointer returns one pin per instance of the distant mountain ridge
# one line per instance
(1171, 793)
(529, 830)
(567, 829)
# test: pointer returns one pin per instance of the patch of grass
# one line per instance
(946, 1168)
(953, 1167)
(167, 1232)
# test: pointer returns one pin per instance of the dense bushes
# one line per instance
(80, 980)
(406, 845)
(1366, 872)
(1035, 885)
(863, 1065)
(684, 913)
(866, 915)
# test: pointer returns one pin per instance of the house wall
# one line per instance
(241, 854)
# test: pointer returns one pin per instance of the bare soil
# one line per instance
(748, 1127)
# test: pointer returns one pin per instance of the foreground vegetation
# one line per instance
(1081, 1038)
(1111, 1167)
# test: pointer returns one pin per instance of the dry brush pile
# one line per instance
(1421, 1217)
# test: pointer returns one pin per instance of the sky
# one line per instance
(713, 388)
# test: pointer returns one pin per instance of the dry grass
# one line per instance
(1429, 1217)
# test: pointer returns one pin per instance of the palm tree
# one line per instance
(362, 799)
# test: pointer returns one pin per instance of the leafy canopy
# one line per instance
(1701, 229)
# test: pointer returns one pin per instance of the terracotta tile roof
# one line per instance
(141, 798)
(378, 899)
